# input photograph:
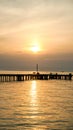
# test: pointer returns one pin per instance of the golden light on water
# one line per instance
(33, 93)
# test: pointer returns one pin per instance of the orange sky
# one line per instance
(49, 24)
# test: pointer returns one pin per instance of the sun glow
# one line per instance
(35, 46)
(35, 49)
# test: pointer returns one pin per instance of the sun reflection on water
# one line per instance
(33, 93)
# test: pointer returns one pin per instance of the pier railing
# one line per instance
(34, 76)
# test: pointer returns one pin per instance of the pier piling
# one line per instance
(36, 76)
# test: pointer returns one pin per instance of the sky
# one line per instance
(47, 24)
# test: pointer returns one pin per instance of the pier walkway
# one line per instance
(36, 76)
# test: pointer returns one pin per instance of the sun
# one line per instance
(35, 49)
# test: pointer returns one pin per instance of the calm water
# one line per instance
(36, 105)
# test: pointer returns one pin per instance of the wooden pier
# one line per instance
(37, 76)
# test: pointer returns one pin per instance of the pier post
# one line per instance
(20, 78)
(36, 76)
(70, 76)
(65, 77)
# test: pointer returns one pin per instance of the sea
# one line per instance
(36, 104)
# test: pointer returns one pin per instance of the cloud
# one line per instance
(16, 15)
(46, 62)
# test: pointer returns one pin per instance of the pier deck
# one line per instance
(38, 76)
